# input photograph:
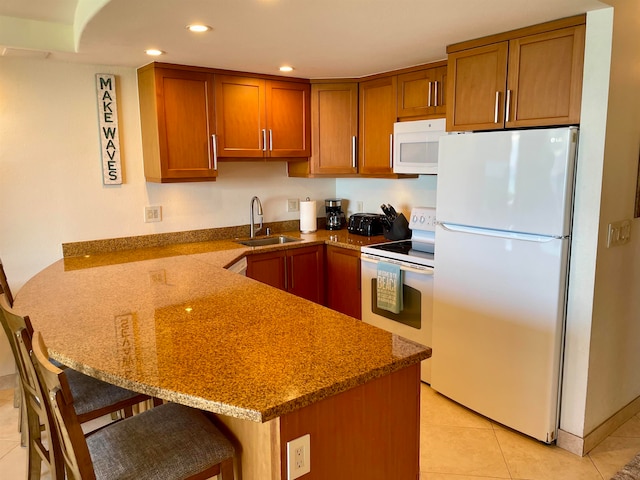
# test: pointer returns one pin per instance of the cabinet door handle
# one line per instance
(353, 152)
(391, 150)
(215, 152)
(291, 271)
(495, 112)
(429, 97)
(270, 140)
(435, 94)
(286, 274)
(264, 139)
(508, 107)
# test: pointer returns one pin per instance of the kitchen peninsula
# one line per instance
(172, 322)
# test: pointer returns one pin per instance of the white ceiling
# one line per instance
(320, 38)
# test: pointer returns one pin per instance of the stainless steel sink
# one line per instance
(261, 242)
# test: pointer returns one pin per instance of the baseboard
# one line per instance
(581, 446)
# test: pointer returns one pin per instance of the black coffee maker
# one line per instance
(335, 216)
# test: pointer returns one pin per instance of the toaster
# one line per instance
(367, 224)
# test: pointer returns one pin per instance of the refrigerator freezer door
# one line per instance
(498, 326)
(517, 180)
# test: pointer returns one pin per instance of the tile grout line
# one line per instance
(504, 458)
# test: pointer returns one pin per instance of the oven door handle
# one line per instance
(426, 271)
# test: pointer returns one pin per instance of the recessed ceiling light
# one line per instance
(286, 68)
(154, 52)
(198, 28)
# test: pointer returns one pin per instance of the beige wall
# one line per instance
(603, 325)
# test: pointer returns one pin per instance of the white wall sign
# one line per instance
(108, 125)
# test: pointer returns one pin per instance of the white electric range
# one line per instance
(416, 259)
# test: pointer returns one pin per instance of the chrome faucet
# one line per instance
(252, 225)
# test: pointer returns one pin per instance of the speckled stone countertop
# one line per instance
(173, 323)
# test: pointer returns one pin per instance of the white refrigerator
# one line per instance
(504, 204)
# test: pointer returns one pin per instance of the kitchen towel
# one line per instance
(308, 216)
(389, 289)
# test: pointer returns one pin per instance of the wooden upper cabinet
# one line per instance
(178, 124)
(259, 118)
(532, 77)
(545, 78)
(334, 130)
(288, 119)
(422, 93)
(377, 108)
(476, 90)
(240, 116)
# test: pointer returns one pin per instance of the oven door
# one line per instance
(415, 320)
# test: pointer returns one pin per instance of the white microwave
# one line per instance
(415, 146)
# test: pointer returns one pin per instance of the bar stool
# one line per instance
(168, 442)
(95, 398)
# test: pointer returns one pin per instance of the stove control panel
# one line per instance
(423, 218)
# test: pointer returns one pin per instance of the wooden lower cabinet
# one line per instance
(297, 270)
(343, 281)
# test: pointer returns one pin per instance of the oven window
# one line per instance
(410, 314)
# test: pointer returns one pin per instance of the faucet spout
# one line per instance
(252, 225)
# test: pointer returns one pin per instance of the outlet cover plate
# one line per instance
(293, 205)
(298, 457)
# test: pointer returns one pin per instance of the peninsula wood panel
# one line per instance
(369, 432)
(545, 77)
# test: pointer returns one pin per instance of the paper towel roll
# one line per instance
(308, 216)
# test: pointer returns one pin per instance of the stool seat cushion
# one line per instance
(91, 394)
(151, 445)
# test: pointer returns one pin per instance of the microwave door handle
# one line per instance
(391, 150)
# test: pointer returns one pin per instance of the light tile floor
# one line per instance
(456, 444)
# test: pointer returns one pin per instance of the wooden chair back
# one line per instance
(4, 286)
(75, 452)
(19, 330)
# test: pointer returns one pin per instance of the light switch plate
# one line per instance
(618, 233)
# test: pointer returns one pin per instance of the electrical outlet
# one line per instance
(293, 205)
(298, 457)
(152, 214)
(359, 206)
(618, 233)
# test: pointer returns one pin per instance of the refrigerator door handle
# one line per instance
(529, 237)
